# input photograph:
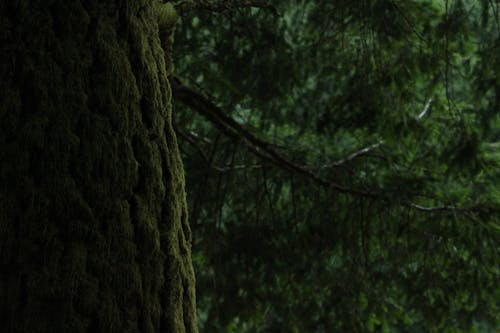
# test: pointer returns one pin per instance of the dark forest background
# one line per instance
(342, 163)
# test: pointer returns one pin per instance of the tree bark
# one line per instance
(93, 224)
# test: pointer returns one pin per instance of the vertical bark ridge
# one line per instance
(93, 222)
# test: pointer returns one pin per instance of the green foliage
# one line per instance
(417, 83)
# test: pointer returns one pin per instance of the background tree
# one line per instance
(342, 163)
(94, 233)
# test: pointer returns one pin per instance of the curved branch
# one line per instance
(205, 107)
(233, 129)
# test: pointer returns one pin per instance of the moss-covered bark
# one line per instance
(93, 224)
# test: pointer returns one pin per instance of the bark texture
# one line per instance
(93, 223)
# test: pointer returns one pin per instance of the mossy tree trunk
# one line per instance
(93, 224)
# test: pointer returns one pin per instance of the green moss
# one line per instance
(167, 19)
(92, 203)
(167, 16)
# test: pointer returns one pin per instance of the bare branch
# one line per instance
(222, 6)
(354, 155)
(426, 109)
(436, 209)
(238, 167)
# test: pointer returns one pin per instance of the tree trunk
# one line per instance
(93, 224)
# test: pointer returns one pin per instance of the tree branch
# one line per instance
(205, 107)
(353, 156)
(261, 148)
(186, 6)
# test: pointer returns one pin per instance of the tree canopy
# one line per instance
(342, 163)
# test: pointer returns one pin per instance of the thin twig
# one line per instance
(426, 109)
(223, 6)
(354, 155)
(434, 209)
